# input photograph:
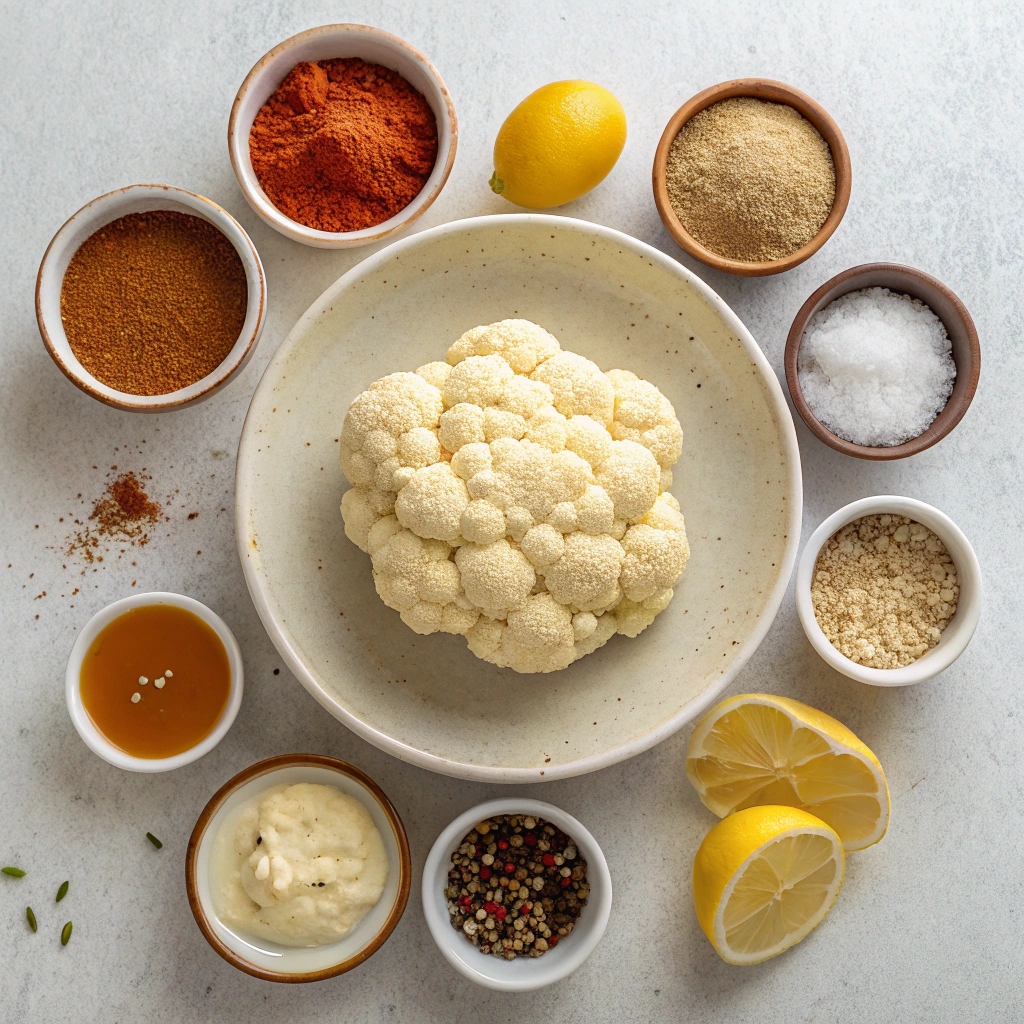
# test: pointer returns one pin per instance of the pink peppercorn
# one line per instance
(530, 839)
(510, 868)
(501, 913)
(485, 872)
(548, 860)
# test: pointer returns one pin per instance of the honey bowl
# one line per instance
(150, 696)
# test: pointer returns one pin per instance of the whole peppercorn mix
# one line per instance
(517, 886)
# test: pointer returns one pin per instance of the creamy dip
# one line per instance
(298, 865)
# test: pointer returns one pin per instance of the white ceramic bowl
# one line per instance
(523, 973)
(427, 699)
(88, 220)
(956, 635)
(94, 739)
(268, 960)
(326, 43)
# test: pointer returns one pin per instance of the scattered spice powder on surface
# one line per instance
(123, 514)
(751, 180)
(153, 302)
(884, 588)
(343, 145)
(517, 886)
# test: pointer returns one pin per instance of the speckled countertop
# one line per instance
(929, 925)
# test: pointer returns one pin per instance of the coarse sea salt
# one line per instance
(876, 367)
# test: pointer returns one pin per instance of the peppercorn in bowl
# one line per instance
(151, 298)
(516, 894)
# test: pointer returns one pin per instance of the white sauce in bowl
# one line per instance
(298, 865)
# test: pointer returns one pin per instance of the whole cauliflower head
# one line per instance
(517, 495)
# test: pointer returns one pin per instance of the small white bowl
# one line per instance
(268, 960)
(958, 632)
(87, 221)
(94, 739)
(524, 973)
(330, 42)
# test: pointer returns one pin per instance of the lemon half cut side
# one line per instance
(763, 879)
(758, 749)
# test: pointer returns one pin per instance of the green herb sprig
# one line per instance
(31, 918)
(153, 839)
(62, 892)
(13, 872)
(65, 934)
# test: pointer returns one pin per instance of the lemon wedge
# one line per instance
(558, 144)
(763, 879)
(759, 749)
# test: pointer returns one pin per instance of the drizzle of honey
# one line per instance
(147, 641)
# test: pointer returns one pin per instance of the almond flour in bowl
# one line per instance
(883, 590)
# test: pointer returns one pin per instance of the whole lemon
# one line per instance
(559, 143)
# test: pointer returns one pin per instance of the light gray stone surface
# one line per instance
(929, 924)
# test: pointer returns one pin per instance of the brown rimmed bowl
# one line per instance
(774, 92)
(943, 303)
(331, 42)
(267, 960)
(97, 214)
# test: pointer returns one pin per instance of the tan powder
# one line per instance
(751, 180)
(884, 589)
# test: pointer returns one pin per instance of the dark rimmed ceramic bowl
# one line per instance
(943, 303)
(267, 960)
(773, 92)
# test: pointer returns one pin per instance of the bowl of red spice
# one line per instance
(342, 135)
(151, 298)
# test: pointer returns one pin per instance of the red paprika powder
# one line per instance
(343, 145)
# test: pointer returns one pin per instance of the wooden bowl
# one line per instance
(943, 303)
(774, 92)
(294, 964)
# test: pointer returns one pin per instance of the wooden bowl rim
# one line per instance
(774, 92)
(959, 401)
(264, 767)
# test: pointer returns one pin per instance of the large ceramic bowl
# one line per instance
(620, 302)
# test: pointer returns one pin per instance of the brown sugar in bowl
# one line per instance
(773, 92)
(942, 302)
(296, 965)
(146, 198)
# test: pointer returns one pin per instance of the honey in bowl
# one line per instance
(156, 680)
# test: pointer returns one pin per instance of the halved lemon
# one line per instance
(759, 749)
(763, 879)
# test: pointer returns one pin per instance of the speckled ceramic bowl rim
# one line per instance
(957, 634)
(849, 281)
(94, 739)
(246, 467)
(115, 204)
(774, 92)
(266, 767)
(238, 142)
(536, 973)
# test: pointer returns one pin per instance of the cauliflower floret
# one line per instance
(578, 386)
(516, 495)
(496, 577)
(432, 502)
(630, 476)
(643, 414)
(522, 344)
